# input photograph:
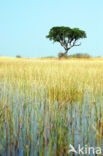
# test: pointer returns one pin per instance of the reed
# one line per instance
(45, 105)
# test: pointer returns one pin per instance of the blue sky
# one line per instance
(25, 23)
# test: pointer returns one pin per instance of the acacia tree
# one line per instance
(66, 36)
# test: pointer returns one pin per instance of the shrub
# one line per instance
(80, 55)
(62, 55)
(18, 56)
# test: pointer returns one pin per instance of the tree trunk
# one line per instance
(66, 51)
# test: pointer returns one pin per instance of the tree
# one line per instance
(66, 36)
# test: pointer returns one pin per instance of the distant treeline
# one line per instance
(77, 55)
(63, 55)
(80, 55)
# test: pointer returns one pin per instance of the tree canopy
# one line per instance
(66, 36)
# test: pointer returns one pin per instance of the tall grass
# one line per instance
(47, 105)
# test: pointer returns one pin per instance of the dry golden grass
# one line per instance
(56, 95)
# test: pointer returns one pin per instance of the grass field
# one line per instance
(47, 104)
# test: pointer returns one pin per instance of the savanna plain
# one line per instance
(48, 104)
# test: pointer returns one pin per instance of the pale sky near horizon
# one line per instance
(25, 23)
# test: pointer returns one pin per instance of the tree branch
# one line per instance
(74, 43)
(63, 44)
(71, 44)
(77, 44)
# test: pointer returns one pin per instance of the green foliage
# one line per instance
(66, 36)
(59, 33)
